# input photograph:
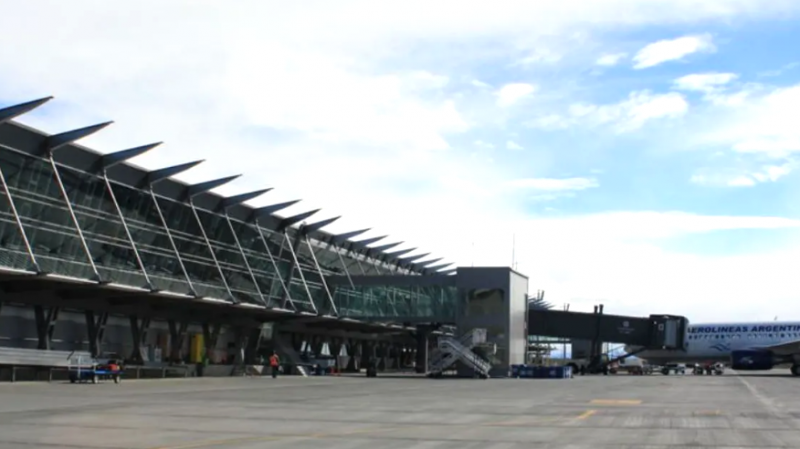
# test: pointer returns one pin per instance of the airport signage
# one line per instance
(737, 329)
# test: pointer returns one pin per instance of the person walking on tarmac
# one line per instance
(274, 364)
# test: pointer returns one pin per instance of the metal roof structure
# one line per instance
(66, 152)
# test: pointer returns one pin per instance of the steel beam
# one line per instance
(57, 143)
(177, 253)
(124, 221)
(322, 278)
(293, 246)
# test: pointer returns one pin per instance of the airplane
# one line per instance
(758, 346)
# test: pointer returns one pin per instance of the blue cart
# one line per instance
(89, 370)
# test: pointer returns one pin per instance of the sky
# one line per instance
(638, 154)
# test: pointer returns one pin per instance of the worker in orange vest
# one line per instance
(274, 364)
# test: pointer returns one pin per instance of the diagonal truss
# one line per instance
(73, 212)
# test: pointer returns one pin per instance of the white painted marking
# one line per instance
(767, 402)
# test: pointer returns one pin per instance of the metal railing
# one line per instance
(449, 350)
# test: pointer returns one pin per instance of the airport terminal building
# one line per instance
(100, 255)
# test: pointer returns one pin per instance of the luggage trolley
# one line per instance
(86, 369)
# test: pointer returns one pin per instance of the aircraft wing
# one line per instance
(785, 348)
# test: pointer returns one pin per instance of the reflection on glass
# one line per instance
(44, 215)
(486, 302)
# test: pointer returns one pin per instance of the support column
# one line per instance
(253, 346)
(45, 325)
(335, 346)
(368, 352)
(240, 346)
(317, 343)
(177, 337)
(95, 331)
(139, 328)
(421, 363)
(210, 338)
(354, 351)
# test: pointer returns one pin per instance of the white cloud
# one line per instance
(611, 59)
(540, 56)
(484, 145)
(552, 184)
(723, 177)
(479, 83)
(511, 145)
(513, 93)
(343, 107)
(672, 50)
(763, 123)
(741, 181)
(704, 82)
(627, 115)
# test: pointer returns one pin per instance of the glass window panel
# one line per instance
(328, 258)
(259, 258)
(151, 239)
(45, 216)
(102, 228)
(14, 254)
(195, 254)
(229, 257)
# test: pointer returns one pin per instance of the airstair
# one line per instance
(449, 350)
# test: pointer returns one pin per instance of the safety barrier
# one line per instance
(541, 372)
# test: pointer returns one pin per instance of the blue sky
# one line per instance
(642, 153)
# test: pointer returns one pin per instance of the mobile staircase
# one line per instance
(449, 350)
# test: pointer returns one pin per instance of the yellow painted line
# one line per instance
(616, 401)
(230, 441)
(522, 421)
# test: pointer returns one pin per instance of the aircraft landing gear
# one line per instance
(795, 370)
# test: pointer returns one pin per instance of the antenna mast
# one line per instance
(514, 251)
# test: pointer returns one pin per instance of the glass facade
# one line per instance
(58, 220)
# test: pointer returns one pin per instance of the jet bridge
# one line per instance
(653, 332)
(664, 332)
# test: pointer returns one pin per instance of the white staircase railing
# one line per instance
(438, 356)
(449, 350)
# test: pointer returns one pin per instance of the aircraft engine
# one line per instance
(752, 360)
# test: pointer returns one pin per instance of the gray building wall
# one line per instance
(18, 330)
(503, 314)
(518, 318)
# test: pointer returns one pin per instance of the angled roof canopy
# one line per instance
(162, 174)
(11, 112)
(320, 224)
(286, 222)
(56, 141)
(241, 198)
(72, 155)
(109, 160)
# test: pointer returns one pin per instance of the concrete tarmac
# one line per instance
(758, 410)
